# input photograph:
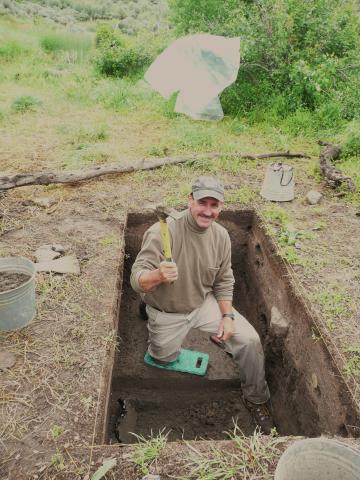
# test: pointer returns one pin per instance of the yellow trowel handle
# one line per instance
(166, 240)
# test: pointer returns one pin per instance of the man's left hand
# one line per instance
(226, 329)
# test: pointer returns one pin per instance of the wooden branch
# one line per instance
(46, 178)
(332, 175)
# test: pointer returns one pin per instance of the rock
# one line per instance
(7, 359)
(150, 476)
(279, 325)
(45, 253)
(68, 264)
(58, 248)
(314, 381)
(313, 197)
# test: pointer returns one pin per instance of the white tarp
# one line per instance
(199, 67)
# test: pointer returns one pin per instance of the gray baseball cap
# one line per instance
(205, 186)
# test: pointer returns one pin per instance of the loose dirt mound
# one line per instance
(9, 281)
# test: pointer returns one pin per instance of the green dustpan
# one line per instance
(188, 361)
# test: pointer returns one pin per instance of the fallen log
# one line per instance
(46, 178)
(332, 175)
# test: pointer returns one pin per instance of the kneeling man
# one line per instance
(195, 290)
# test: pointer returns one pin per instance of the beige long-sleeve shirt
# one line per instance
(203, 258)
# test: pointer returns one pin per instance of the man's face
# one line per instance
(204, 211)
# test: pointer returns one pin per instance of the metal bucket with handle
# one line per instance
(278, 184)
(318, 459)
(17, 305)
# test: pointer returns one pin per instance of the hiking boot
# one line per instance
(261, 414)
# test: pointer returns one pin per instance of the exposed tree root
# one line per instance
(332, 175)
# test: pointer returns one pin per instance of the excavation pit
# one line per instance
(308, 395)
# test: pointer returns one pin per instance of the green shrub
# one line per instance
(106, 37)
(25, 103)
(351, 147)
(10, 51)
(122, 62)
(295, 56)
(116, 57)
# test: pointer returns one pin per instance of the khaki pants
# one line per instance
(167, 332)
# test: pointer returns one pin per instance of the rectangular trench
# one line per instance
(308, 395)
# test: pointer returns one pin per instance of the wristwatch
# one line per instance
(230, 315)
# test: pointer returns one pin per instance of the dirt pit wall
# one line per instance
(308, 395)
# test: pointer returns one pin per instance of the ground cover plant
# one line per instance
(59, 110)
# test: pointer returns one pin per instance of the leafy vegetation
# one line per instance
(351, 147)
(300, 62)
(116, 57)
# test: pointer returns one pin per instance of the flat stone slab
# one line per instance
(46, 253)
(68, 264)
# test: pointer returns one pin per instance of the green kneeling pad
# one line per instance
(188, 361)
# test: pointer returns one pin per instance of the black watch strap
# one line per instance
(230, 315)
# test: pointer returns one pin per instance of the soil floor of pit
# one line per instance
(185, 406)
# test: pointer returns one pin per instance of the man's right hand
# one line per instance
(168, 272)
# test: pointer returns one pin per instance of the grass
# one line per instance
(108, 240)
(58, 461)
(11, 51)
(56, 431)
(352, 365)
(148, 450)
(243, 195)
(61, 42)
(276, 214)
(179, 197)
(350, 166)
(25, 103)
(250, 458)
(335, 303)
(288, 237)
